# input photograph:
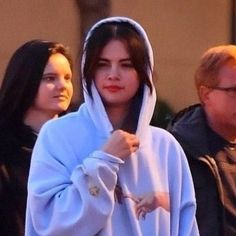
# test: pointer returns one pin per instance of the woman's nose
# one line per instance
(61, 82)
(114, 73)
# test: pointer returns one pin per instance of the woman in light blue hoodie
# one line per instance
(103, 170)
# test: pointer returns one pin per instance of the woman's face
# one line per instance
(55, 90)
(115, 77)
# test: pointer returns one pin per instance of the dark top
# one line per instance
(16, 143)
(212, 162)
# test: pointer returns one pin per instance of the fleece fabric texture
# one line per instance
(75, 189)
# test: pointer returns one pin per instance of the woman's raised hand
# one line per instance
(121, 144)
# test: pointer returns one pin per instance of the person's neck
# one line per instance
(117, 115)
(227, 132)
(36, 118)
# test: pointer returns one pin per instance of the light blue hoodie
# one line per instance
(72, 182)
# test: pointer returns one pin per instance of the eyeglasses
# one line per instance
(231, 91)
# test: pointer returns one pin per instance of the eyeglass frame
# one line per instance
(231, 91)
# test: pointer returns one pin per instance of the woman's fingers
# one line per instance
(121, 144)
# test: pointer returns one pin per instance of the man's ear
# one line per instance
(204, 92)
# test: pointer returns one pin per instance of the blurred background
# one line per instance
(179, 31)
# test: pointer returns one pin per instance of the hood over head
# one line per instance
(94, 103)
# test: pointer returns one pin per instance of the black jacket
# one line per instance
(16, 145)
(201, 145)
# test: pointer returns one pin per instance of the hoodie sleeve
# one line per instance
(183, 202)
(61, 199)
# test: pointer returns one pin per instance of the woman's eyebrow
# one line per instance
(126, 59)
(103, 59)
(49, 73)
(122, 59)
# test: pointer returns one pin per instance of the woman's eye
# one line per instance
(102, 64)
(129, 65)
(49, 78)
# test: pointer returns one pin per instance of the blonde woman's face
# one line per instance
(55, 90)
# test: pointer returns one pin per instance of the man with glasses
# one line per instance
(207, 133)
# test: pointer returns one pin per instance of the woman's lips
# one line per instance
(61, 97)
(113, 88)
